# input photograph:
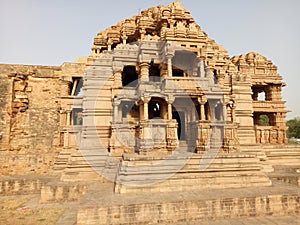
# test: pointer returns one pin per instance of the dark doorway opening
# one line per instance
(129, 76)
(179, 116)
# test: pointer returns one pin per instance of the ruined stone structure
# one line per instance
(158, 106)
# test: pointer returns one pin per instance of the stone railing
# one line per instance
(213, 136)
(157, 136)
(265, 106)
(123, 138)
(270, 135)
(185, 83)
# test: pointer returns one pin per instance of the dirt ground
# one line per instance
(17, 210)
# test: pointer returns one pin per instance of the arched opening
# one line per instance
(155, 108)
(129, 76)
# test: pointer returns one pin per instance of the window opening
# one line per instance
(77, 116)
(129, 76)
(154, 73)
(76, 86)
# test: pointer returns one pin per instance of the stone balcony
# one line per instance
(189, 84)
(268, 106)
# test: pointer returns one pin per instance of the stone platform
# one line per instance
(184, 171)
(102, 206)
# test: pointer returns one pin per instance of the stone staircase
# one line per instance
(182, 172)
(85, 165)
(287, 174)
(258, 151)
(283, 154)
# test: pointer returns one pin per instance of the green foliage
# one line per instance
(264, 120)
(293, 128)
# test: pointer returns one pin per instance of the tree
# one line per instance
(264, 120)
(293, 128)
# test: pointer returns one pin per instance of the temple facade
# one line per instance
(154, 85)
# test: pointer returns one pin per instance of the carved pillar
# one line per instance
(224, 112)
(68, 117)
(116, 111)
(163, 70)
(144, 71)
(202, 100)
(146, 101)
(124, 39)
(170, 102)
(169, 62)
(118, 79)
(169, 111)
(202, 69)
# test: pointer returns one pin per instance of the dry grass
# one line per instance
(12, 212)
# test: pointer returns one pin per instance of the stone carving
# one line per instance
(209, 74)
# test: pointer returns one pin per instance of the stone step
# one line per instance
(101, 206)
(180, 172)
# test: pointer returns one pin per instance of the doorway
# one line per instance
(179, 116)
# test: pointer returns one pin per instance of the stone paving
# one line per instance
(267, 220)
(102, 194)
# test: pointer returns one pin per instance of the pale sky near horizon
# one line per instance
(41, 32)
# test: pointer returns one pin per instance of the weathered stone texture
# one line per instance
(5, 90)
(187, 211)
(31, 118)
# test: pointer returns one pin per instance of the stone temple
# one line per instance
(158, 108)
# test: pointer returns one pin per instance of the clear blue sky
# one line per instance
(51, 32)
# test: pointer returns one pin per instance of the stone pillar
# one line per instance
(169, 110)
(116, 111)
(202, 112)
(163, 70)
(146, 101)
(224, 112)
(202, 100)
(118, 79)
(169, 58)
(124, 38)
(68, 117)
(202, 69)
(144, 71)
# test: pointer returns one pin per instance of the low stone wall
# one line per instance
(22, 184)
(193, 210)
(62, 192)
(21, 164)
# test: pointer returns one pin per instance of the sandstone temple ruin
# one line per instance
(158, 106)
